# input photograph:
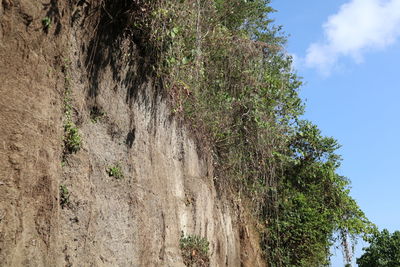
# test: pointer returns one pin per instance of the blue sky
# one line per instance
(348, 53)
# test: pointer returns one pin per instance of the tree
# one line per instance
(315, 207)
(384, 250)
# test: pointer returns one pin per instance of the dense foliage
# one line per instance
(223, 65)
(384, 250)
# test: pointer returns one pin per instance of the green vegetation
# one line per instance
(46, 22)
(72, 138)
(64, 196)
(194, 250)
(313, 201)
(224, 68)
(384, 250)
(96, 114)
(115, 171)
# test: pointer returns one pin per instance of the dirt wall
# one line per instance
(123, 120)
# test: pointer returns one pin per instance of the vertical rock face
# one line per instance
(124, 122)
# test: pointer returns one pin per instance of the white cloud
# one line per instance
(359, 26)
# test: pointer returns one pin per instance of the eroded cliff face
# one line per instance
(123, 119)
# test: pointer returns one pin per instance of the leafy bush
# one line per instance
(194, 250)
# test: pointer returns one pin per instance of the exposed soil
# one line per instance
(122, 119)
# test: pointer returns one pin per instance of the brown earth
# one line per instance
(168, 184)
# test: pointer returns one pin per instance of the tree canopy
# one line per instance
(383, 251)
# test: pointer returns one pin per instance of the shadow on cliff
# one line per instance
(115, 45)
(53, 13)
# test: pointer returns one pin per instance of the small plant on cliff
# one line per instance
(194, 250)
(115, 171)
(72, 139)
(46, 22)
(96, 114)
(64, 196)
